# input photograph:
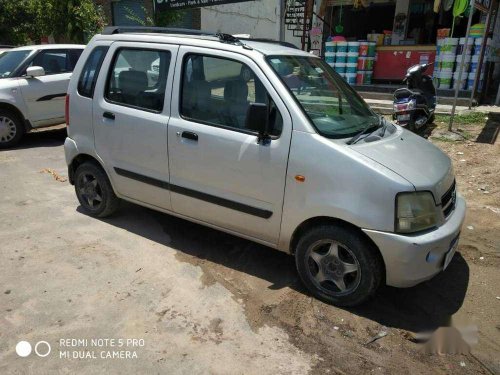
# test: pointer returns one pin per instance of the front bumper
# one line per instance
(411, 259)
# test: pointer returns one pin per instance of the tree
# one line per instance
(76, 20)
(22, 21)
(163, 18)
(25, 21)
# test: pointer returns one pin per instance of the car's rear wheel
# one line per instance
(94, 191)
(11, 129)
(338, 265)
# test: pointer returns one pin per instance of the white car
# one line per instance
(268, 143)
(33, 84)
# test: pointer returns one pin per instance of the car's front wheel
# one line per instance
(94, 191)
(338, 265)
(11, 129)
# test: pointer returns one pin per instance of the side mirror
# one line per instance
(257, 119)
(35, 71)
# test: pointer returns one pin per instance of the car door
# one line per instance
(131, 111)
(44, 95)
(219, 174)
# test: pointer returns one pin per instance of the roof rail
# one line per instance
(272, 41)
(109, 30)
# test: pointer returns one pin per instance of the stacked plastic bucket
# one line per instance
(366, 60)
(336, 55)
(449, 54)
(330, 49)
(446, 55)
(474, 63)
(352, 60)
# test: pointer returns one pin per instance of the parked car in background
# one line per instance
(33, 84)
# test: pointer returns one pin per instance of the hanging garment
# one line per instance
(437, 4)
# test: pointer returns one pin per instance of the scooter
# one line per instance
(414, 105)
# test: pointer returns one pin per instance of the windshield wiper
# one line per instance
(371, 125)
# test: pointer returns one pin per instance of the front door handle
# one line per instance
(109, 115)
(190, 135)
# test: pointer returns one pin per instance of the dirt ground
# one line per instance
(207, 302)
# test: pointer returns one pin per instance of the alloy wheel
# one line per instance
(333, 267)
(90, 191)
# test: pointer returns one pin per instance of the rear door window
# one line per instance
(138, 78)
(90, 71)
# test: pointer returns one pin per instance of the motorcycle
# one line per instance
(414, 105)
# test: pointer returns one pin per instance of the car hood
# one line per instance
(414, 158)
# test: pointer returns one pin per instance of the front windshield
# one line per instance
(334, 108)
(10, 60)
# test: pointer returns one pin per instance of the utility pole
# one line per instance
(280, 18)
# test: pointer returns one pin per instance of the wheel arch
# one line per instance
(79, 160)
(17, 111)
(326, 220)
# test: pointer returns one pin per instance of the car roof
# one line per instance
(48, 46)
(209, 41)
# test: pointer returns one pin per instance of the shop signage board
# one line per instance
(184, 4)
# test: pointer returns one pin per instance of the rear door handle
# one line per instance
(190, 135)
(109, 115)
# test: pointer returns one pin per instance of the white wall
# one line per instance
(259, 18)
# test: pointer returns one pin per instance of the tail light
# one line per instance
(66, 110)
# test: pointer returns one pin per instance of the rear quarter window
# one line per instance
(90, 71)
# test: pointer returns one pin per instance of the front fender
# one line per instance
(339, 183)
(10, 94)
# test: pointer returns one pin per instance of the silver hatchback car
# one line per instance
(266, 142)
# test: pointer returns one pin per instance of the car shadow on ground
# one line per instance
(425, 306)
(49, 137)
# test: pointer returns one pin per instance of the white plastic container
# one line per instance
(461, 45)
(351, 78)
(467, 60)
(474, 63)
(449, 46)
(463, 85)
(341, 57)
(445, 79)
(447, 63)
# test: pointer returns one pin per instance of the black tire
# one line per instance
(94, 191)
(431, 119)
(353, 251)
(11, 129)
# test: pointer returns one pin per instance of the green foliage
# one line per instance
(471, 117)
(77, 20)
(167, 18)
(25, 21)
(162, 19)
(21, 21)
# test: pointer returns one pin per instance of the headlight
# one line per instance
(415, 212)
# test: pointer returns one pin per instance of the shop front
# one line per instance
(402, 33)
